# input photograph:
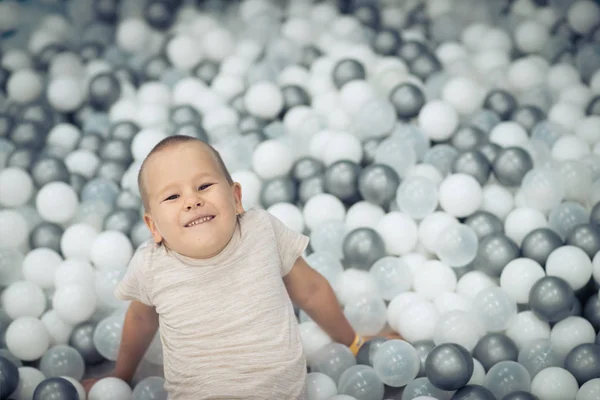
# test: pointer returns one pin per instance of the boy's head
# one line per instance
(191, 203)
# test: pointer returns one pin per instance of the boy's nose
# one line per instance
(193, 202)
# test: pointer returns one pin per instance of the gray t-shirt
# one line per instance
(227, 324)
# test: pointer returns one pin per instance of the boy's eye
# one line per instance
(172, 197)
(204, 187)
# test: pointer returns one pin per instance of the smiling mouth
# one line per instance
(199, 221)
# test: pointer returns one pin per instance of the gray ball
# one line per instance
(511, 165)
(493, 348)
(423, 348)
(408, 99)
(591, 311)
(369, 148)
(367, 351)
(449, 366)
(551, 298)
(55, 389)
(473, 392)
(583, 362)
(494, 252)
(468, 138)
(490, 151)
(501, 102)
(112, 170)
(307, 167)
(586, 237)
(91, 142)
(46, 234)
(22, 158)
(473, 163)
(528, 116)
(311, 187)
(341, 180)
(595, 215)
(116, 150)
(378, 184)
(278, 190)
(82, 340)
(520, 395)
(49, 169)
(347, 70)
(122, 220)
(77, 182)
(362, 247)
(128, 200)
(484, 223)
(9, 377)
(539, 243)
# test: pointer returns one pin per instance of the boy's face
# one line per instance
(191, 206)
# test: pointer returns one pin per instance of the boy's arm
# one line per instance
(310, 291)
(139, 328)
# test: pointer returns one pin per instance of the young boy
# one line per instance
(219, 284)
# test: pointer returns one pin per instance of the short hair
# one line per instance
(171, 141)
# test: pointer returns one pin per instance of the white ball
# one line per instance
(186, 90)
(473, 282)
(24, 86)
(519, 276)
(521, 221)
(40, 266)
(417, 320)
(74, 303)
(77, 240)
(321, 208)
(554, 383)
(438, 120)
(460, 195)
(399, 303)
(596, 267)
(583, 16)
(123, 110)
(570, 333)
(525, 74)
(74, 271)
(65, 94)
(228, 86)
(531, 36)
(508, 134)
(83, 162)
(459, 327)
(264, 100)
(289, 214)
(399, 233)
(154, 93)
(16, 187)
(566, 115)
(64, 135)
(29, 379)
(354, 283)
(218, 43)
(133, 35)
(497, 200)
(570, 147)
(571, 264)
(313, 339)
(588, 129)
(183, 52)
(27, 338)
(464, 94)
(58, 330)
(354, 95)
(111, 249)
(434, 278)
(589, 390)
(363, 214)
(57, 202)
(251, 187)
(272, 159)
(144, 142)
(526, 326)
(450, 301)
(110, 388)
(14, 231)
(342, 146)
(23, 299)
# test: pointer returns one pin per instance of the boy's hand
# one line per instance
(88, 383)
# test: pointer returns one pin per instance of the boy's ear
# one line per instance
(237, 195)
(156, 236)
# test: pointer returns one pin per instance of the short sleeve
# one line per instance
(136, 285)
(290, 244)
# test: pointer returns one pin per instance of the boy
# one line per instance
(219, 284)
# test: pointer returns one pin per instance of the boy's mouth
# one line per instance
(199, 221)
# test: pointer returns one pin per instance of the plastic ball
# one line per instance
(27, 338)
(460, 195)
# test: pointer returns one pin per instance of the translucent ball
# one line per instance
(526, 326)
(417, 196)
(354, 284)
(110, 389)
(152, 387)
(107, 336)
(399, 233)
(460, 195)
(27, 338)
(111, 249)
(11, 261)
(542, 189)
(321, 208)
(57, 202)
(62, 360)
(320, 386)
(361, 382)
(495, 308)
(566, 216)
(77, 240)
(577, 180)
(328, 237)
(74, 303)
(58, 330)
(571, 264)
(459, 327)
(471, 283)
(366, 314)
(450, 301)
(438, 120)
(464, 94)
(396, 363)
(392, 276)
(40, 266)
(313, 339)
(16, 187)
(23, 299)
(431, 226)
(398, 304)
(519, 276)
(433, 278)
(105, 283)
(13, 229)
(539, 354)
(554, 383)
(506, 377)
(376, 118)
(272, 159)
(396, 153)
(457, 245)
(332, 360)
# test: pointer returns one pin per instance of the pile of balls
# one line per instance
(443, 156)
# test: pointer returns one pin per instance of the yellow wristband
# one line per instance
(357, 344)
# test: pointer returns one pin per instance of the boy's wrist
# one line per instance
(355, 346)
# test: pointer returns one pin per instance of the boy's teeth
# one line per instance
(199, 221)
